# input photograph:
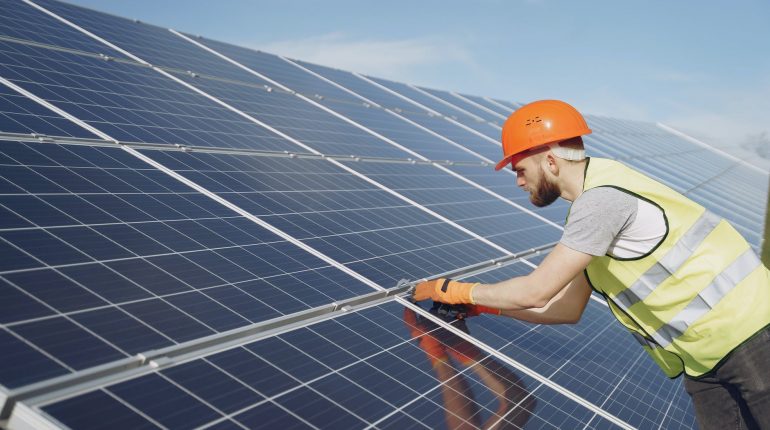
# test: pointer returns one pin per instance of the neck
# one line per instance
(571, 180)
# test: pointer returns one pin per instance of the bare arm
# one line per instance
(565, 308)
(539, 288)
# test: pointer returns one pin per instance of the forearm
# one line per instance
(514, 294)
(565, 308)
(551, 313)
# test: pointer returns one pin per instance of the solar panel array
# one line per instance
(199, 235)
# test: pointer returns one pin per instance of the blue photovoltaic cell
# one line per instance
(501, 110)
(320, 130)
(504, 183)
(243, 90)
(512, 105)
(413, 94)
(502, 223)
(130, 102)
(308, 377)
(356, 223)
(156, 45)
(467, 108)
(377, 119)
(597, 359)
(120, 258)
(21, 21)
(19, 114)
(105, 257)
(484, 147)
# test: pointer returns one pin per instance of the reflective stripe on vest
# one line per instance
(705, 300)
(699, 294)
(724, 282)
(669, 263)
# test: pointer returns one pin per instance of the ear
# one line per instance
(551, 164)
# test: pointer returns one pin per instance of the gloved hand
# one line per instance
(445, 290)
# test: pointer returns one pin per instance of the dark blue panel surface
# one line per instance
(425, 376)
(19, 114)
(269, 415)
(130, 102)
(485, 147)
(474, 122)
(243, 90)
(127, 264)
(502, 110)
(22, 364)
(164, 401)
(504, 183)
(156, 45)
(380, 236)
(373, 117)
(316, 128)
(21, 21)
(505, 224)
(96, 410)
(466, 108)
(206, 381)
(593, 359)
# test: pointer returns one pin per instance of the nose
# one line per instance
(520, 181)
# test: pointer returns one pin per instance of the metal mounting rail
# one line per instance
(149, 361)
(43, 138)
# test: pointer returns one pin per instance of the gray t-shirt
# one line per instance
(597, 218)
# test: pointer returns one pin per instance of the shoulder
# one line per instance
(604, 197)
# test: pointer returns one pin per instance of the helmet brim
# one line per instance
(504, 162)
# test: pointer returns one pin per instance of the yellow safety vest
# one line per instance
(698, 295)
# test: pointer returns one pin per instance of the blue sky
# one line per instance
(700, 66)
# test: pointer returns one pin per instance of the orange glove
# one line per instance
(475, 310)
(445, 290)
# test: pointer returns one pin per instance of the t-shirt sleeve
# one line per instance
(596, 218)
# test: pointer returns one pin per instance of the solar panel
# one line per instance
(503, 223)
(354, 222)
(365, 112)
(306, 378)
(456, 115)
(594, 358)
(230, 84)
(490, 105)
(129, 102)
(105, 256)
(467, 106)
(229, 264)
(458, 135)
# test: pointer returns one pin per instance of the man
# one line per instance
(681, 280)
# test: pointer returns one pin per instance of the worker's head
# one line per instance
(537, 139)
(538, 171)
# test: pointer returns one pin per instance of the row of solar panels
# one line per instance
(109, 256)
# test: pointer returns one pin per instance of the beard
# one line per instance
(546, 192)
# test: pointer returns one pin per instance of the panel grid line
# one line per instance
(473, 103)
(313, 102)
(290, 238)
(451, 120)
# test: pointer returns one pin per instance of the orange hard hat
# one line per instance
(540, 123)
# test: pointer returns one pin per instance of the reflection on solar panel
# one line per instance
(198, 235)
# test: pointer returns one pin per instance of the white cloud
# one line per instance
(395, 59)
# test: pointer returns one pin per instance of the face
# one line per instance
(531, 177)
